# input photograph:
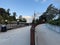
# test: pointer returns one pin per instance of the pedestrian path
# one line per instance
(19, 36)
(45, 36)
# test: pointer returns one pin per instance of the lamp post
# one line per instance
(17, 22)
(6, 22)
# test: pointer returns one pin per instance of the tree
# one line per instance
(2, 12)
(20, 17)
(1, 18)
(59, 14)
(8, 12)
(37, 21)
(14, 15)
(51, 12)
(24, 20)
(49, 7)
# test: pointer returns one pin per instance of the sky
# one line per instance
(26, 8)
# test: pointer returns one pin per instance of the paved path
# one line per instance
(45, 36)
(20, 36)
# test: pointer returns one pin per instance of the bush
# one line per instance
(55, 22)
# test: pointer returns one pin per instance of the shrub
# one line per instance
(55, 22)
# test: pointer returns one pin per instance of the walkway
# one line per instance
(45, 36)
(20, 36)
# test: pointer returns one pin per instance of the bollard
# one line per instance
(3, 28)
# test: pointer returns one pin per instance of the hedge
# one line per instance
(55, 22)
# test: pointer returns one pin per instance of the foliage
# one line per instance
(33, 21)
(55, 22)
(50, 13)
(23, 20)
(14, 16)
(5, 15)
(37, 21)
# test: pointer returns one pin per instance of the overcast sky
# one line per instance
(26, 8)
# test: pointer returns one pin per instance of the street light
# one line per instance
(6, 22)
(17, 22)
